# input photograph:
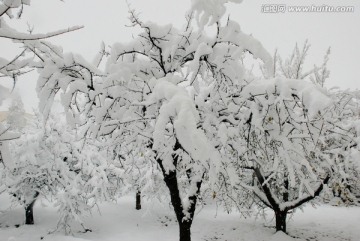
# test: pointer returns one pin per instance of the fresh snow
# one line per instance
(120, 221)
(314, 98)
(209, 12)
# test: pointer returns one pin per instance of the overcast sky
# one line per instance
(105, 20)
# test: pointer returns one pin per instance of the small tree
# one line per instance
(284, 136)
(26, 178)
(290, 137)
(16, 117)
(48, 161)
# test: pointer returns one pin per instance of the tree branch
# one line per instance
(4, 33)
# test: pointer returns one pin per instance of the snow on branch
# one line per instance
(14, 35)
(233, 34)
(180, 109)
(7, 5)
(209, 12)
(314, 98)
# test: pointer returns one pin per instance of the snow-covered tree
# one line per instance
(292, 139)
(16, 117)
(161, 97)
(344, 189)
(48, 161)
(283, 141)
(28, 195)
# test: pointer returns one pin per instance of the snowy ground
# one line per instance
(120, 222)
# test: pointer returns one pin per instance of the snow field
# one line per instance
(156, 222)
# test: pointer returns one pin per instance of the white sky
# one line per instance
(105, 20)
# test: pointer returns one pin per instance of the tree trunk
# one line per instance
(185, 232)
(184, 217)
(286, 193)
(29, 213)
(138, 200)
(184, 222)
(280, 217)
